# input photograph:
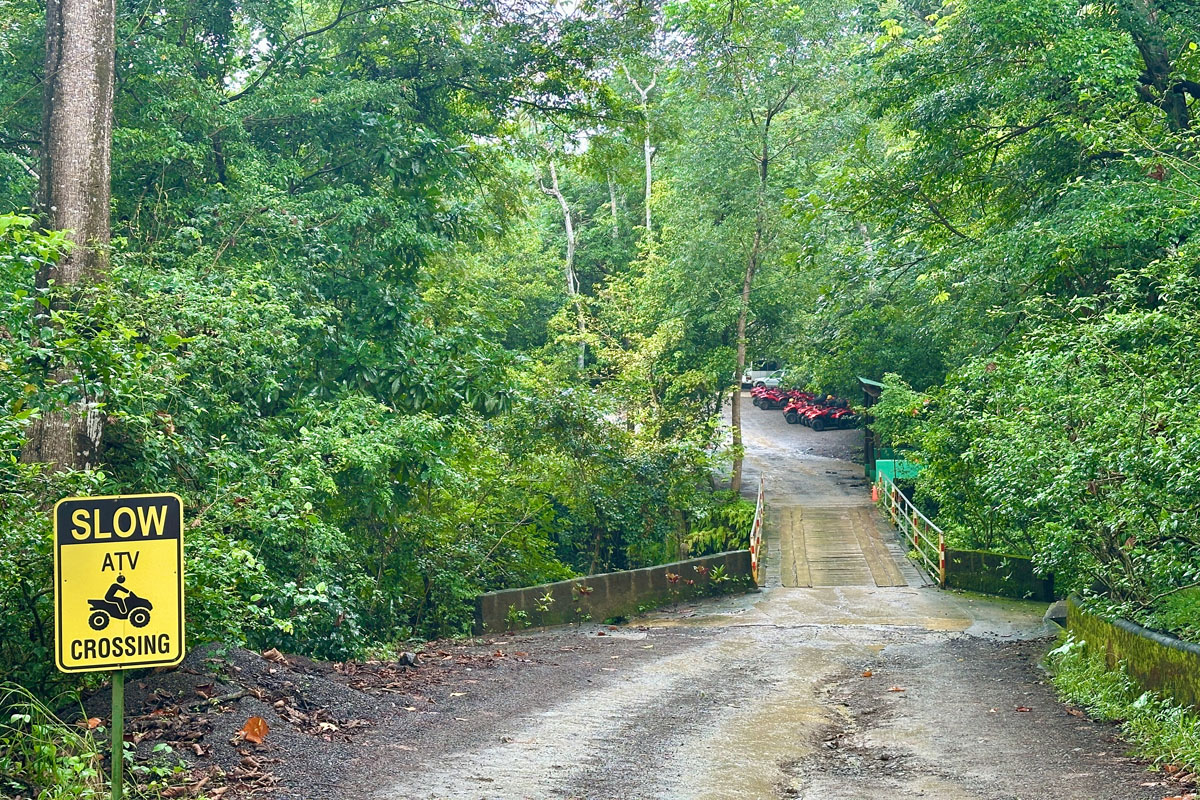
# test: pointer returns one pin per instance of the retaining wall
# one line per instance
(596, 598)
(996, 573)
(1157, 661)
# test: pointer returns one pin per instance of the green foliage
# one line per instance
(1160, 730)
(723, 527)
(338, 324)
(330, 325)
(41, 756)
(1177, 613)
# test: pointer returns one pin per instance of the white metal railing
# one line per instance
(926, 539)
(756, 529)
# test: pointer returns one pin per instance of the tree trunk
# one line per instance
(647, 147)
(612, 204)
(649, 156)
(74, 194)
(752, 262)
(572, 278)
(1139, 18)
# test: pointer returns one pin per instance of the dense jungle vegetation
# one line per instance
(412, 300)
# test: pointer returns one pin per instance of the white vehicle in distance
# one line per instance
(759, 371)
(774, 380)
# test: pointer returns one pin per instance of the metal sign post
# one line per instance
(118, 592)
(118, 733)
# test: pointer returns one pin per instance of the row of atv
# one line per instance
(819, 412)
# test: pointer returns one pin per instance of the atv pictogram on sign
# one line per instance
(120, 603)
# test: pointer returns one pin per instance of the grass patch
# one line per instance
(1159, 729)
(43, 757)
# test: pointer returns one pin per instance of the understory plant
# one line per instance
(1158, 728)
(41, 756)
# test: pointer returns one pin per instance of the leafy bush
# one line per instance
(1178, 613)
(325, 514)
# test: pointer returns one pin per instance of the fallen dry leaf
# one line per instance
(274, 655)
(897, 689)
(867, 673)
(1024, 708)
(92, 723)
(255, 730)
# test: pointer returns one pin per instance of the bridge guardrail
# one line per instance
(756, 528)
(926, 538)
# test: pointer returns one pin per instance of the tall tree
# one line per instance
(77, 125)
(555, 191)
(748, 65)
(647, 145)
(1160, 82)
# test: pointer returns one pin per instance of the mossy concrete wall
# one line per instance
(1159, 662)
(996, 573)
(596, 598)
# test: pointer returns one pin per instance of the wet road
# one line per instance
(847, 677)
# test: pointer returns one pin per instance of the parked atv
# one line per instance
(829, 417)
(772, 399)
(795, 408)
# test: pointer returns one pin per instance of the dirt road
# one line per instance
(844, 678)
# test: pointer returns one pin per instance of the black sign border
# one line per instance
(58, 637)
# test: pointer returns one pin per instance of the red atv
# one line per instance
(772, 399)
(832, 417)
(797, 405)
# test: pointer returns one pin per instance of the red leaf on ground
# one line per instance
(867, 673)
(1024, 708)
(255, 730)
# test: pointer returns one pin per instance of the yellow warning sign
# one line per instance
(118, 582)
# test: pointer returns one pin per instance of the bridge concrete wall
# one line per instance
(1156, 661)
(596, 598)
(996, 573)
